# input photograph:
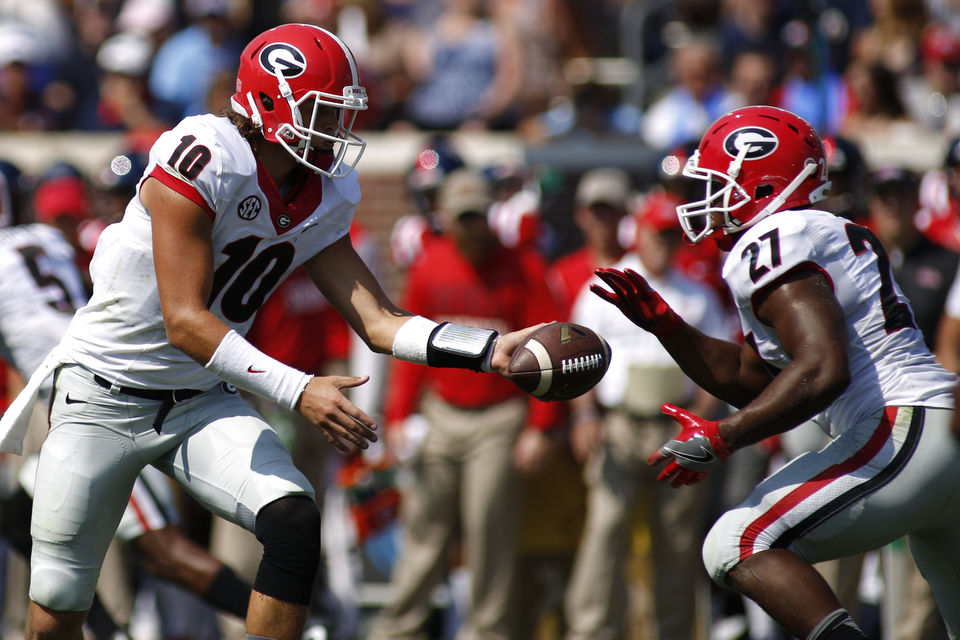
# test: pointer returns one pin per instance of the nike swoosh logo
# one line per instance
(706, 457)
(692, 456)
(250, 369)
(73, 400)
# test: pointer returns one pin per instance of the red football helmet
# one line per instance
(286, 75)
(754, 161)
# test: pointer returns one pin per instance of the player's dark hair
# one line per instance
(250, 132)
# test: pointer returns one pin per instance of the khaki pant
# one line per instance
(596, 599)
(464, 481)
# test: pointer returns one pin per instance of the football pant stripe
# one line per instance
(789, 511)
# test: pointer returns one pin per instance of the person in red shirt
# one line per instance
(601, 203)
(481, 432)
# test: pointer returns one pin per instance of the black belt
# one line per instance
(166, 397)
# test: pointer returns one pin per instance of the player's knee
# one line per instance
(289, 529)
(62, 591)
(721, 548)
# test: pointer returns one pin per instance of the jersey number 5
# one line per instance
(33, 258)
(896, 314)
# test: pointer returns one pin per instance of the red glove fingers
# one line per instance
(637, 301)
(696, 449)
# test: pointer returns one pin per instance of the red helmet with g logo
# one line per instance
(754, 161)
(286, 75)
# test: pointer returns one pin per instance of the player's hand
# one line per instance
(586, 436)
(504, 347)
(532, 452)
(693, 452)
(636, 300)
(323, 404)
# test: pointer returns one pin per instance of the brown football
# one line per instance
(560, 361)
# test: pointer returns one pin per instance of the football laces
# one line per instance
(582, 363)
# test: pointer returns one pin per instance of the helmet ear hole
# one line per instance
(266, 101)
(763, 191)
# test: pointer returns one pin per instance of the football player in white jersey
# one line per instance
(228, 206)
(40, 289)
(829, 337)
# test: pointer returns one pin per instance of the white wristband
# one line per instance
(411, 341)
(244, 366)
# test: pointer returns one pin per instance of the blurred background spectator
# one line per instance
(465, 69)
(932, 96)
(696, 98)
(186, 64)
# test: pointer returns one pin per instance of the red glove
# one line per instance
(693, 452)
(636, 300)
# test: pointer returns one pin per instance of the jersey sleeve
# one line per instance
(194, 160)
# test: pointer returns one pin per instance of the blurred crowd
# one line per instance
(657, 71)
(879, 80)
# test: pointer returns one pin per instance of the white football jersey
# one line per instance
(40, 288)
(889, 363)
(258, 240)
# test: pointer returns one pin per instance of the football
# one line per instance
(560, 361)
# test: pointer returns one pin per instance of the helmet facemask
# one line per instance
(300, 139)
(723, 196)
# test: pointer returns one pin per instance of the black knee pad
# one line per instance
(289, 529)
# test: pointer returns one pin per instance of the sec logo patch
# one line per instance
(249, 208)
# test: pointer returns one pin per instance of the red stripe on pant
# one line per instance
(780, 508)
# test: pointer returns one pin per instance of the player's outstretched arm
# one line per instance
(725, 369)
(344, 279)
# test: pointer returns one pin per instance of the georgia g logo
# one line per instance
(758, 141)
(284, 59)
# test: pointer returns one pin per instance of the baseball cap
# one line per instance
(893, 176)
(465, 191)
(659, 212)
(941, 42)
(20, 43)
(146, 16)
(61, 196)
(606, 185)
(127, 53)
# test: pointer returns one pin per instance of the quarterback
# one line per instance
(829, 337)
(148, 371)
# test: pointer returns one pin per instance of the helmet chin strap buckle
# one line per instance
(255, 117)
